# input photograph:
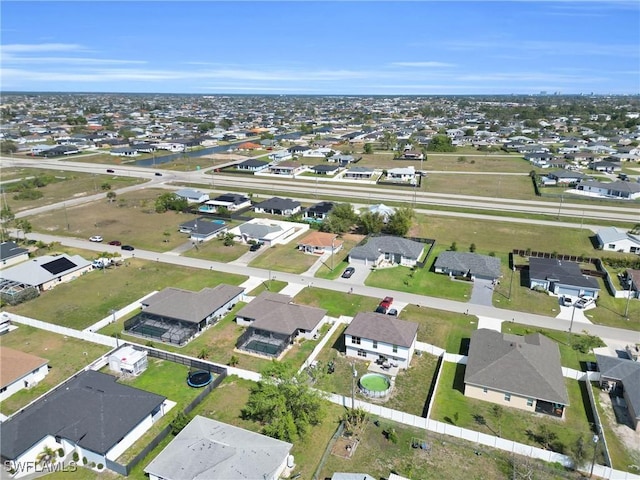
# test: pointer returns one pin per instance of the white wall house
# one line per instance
(615, 240)
(373, 336)
(19, 371)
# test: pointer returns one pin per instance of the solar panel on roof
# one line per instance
(58, 265)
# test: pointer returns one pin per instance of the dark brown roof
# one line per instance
(383, 328)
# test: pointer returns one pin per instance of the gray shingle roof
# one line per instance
(210, 450)
(387, 244)
(564, 272)
(274, 313)
(254, 230)
(626, 371)
(87, 410)
(191, 306)
(528, 366)
(277, 203)
(383, 328)
(482, 265)
(11, 249)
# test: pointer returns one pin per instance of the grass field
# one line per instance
(499, 186)
(421, 281)
(66, 356)
(284, 258)
(443, 329)
(131, 219)
(215, 250)
(270, 285)
(91, 297)
(451, 406)
(340, 258)
(336, 303)
(67, 185)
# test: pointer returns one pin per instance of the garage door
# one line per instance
(574, 292)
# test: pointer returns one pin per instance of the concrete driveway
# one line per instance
(358, 277)
(482, 292)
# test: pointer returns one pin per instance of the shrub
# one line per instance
(100, 466)
(61, 452)
(76, 457)
(93, 464)
(84, 460)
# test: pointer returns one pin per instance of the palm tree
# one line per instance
(47, 456)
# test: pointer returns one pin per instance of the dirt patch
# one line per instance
(620, 422)
(345, 447)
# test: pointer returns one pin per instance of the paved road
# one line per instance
(542, 321)
(335, 188)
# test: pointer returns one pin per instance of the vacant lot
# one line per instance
(91, 297)
(131, 219)
(66, 356)
(443, 329)
(336, 303)
(499, 186)
(215, 250)
(65, 185)
(284, 258)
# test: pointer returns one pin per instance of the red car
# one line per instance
(117, 243)
(386, 302)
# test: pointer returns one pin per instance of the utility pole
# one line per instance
(332, 249)
(596, 437)
(353, 385)
(560, 207)
(513, 269)
(626, 309)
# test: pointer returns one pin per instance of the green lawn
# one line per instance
(66, 357)
(443, 329)
(66, 185)
(215, 250)
(452, 407)
(270, 285)
(336, 303)
(89, 298)
(499, 186)
(339, 261)
(284, 258)
(420, 281)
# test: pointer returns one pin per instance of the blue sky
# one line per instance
(328, 47)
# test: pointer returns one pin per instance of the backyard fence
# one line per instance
(327, 450)
(596, 417)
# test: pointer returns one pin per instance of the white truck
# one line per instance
(101, 262)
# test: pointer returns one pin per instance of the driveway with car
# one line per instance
(358, 277)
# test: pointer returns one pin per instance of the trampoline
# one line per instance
(199, 378)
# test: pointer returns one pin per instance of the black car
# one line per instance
(255, 247)
(110, 170)
(381, 309)
(348, 272)
(127, 247)
(158, 174)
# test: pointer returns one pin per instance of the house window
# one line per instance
(507, 397)
(529, 402)
(58, 439)
(612, 246)
(395, 349)
(375, 344)
(484, 390)
(355, 340)
(362, 353)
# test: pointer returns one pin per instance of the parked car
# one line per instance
(567, 301)
(117, 243)
(110, 170)
(386, 302)
(95, 238)
(348, 272)
(127, 247)
(381, 309)
(584, 302)
(158, 174)
(393, 312)
(255, 247)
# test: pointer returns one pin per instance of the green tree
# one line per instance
(389, 140)
(111, 196)
(370, 222)
(23, 225)
(441, 143)
(453, 247)
(179, 422)
(341, 218)
(497, 412)
(400, 221)
(46, 457)
(368, 148)
(472, 247)
(170, 201)
(229, 239)
(225, 123)
(105, 186)
(6, 217)
(284, 404)
(8, 147)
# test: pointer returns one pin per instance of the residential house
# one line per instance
(342, 160)
(207, 449)
(275, 323)
(561, 277)
(471, 265)
(298, 149)
(412, 155)
(289, 168)
(280, 156)
(203, 229)
(387, 250)
(11, 253)
(539, 159)
(91, 414)
(47, 271)
(253, 165)
(566, 177)
(124, 152)
(616, 240)
(319, 211)
(278, 206)
(232, 202)
(621, 190)
(192, 196)
(404, 175)
(624, 374)
(517, 371)
(375, 336)
(19, 370)
(381, 209)
(267, 231)
(317, 243)
(358, 173)
(325, 169)
(605, 166)
(631, 282)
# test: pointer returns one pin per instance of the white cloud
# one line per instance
(14, 60)
(422, 64)
(41, 47)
